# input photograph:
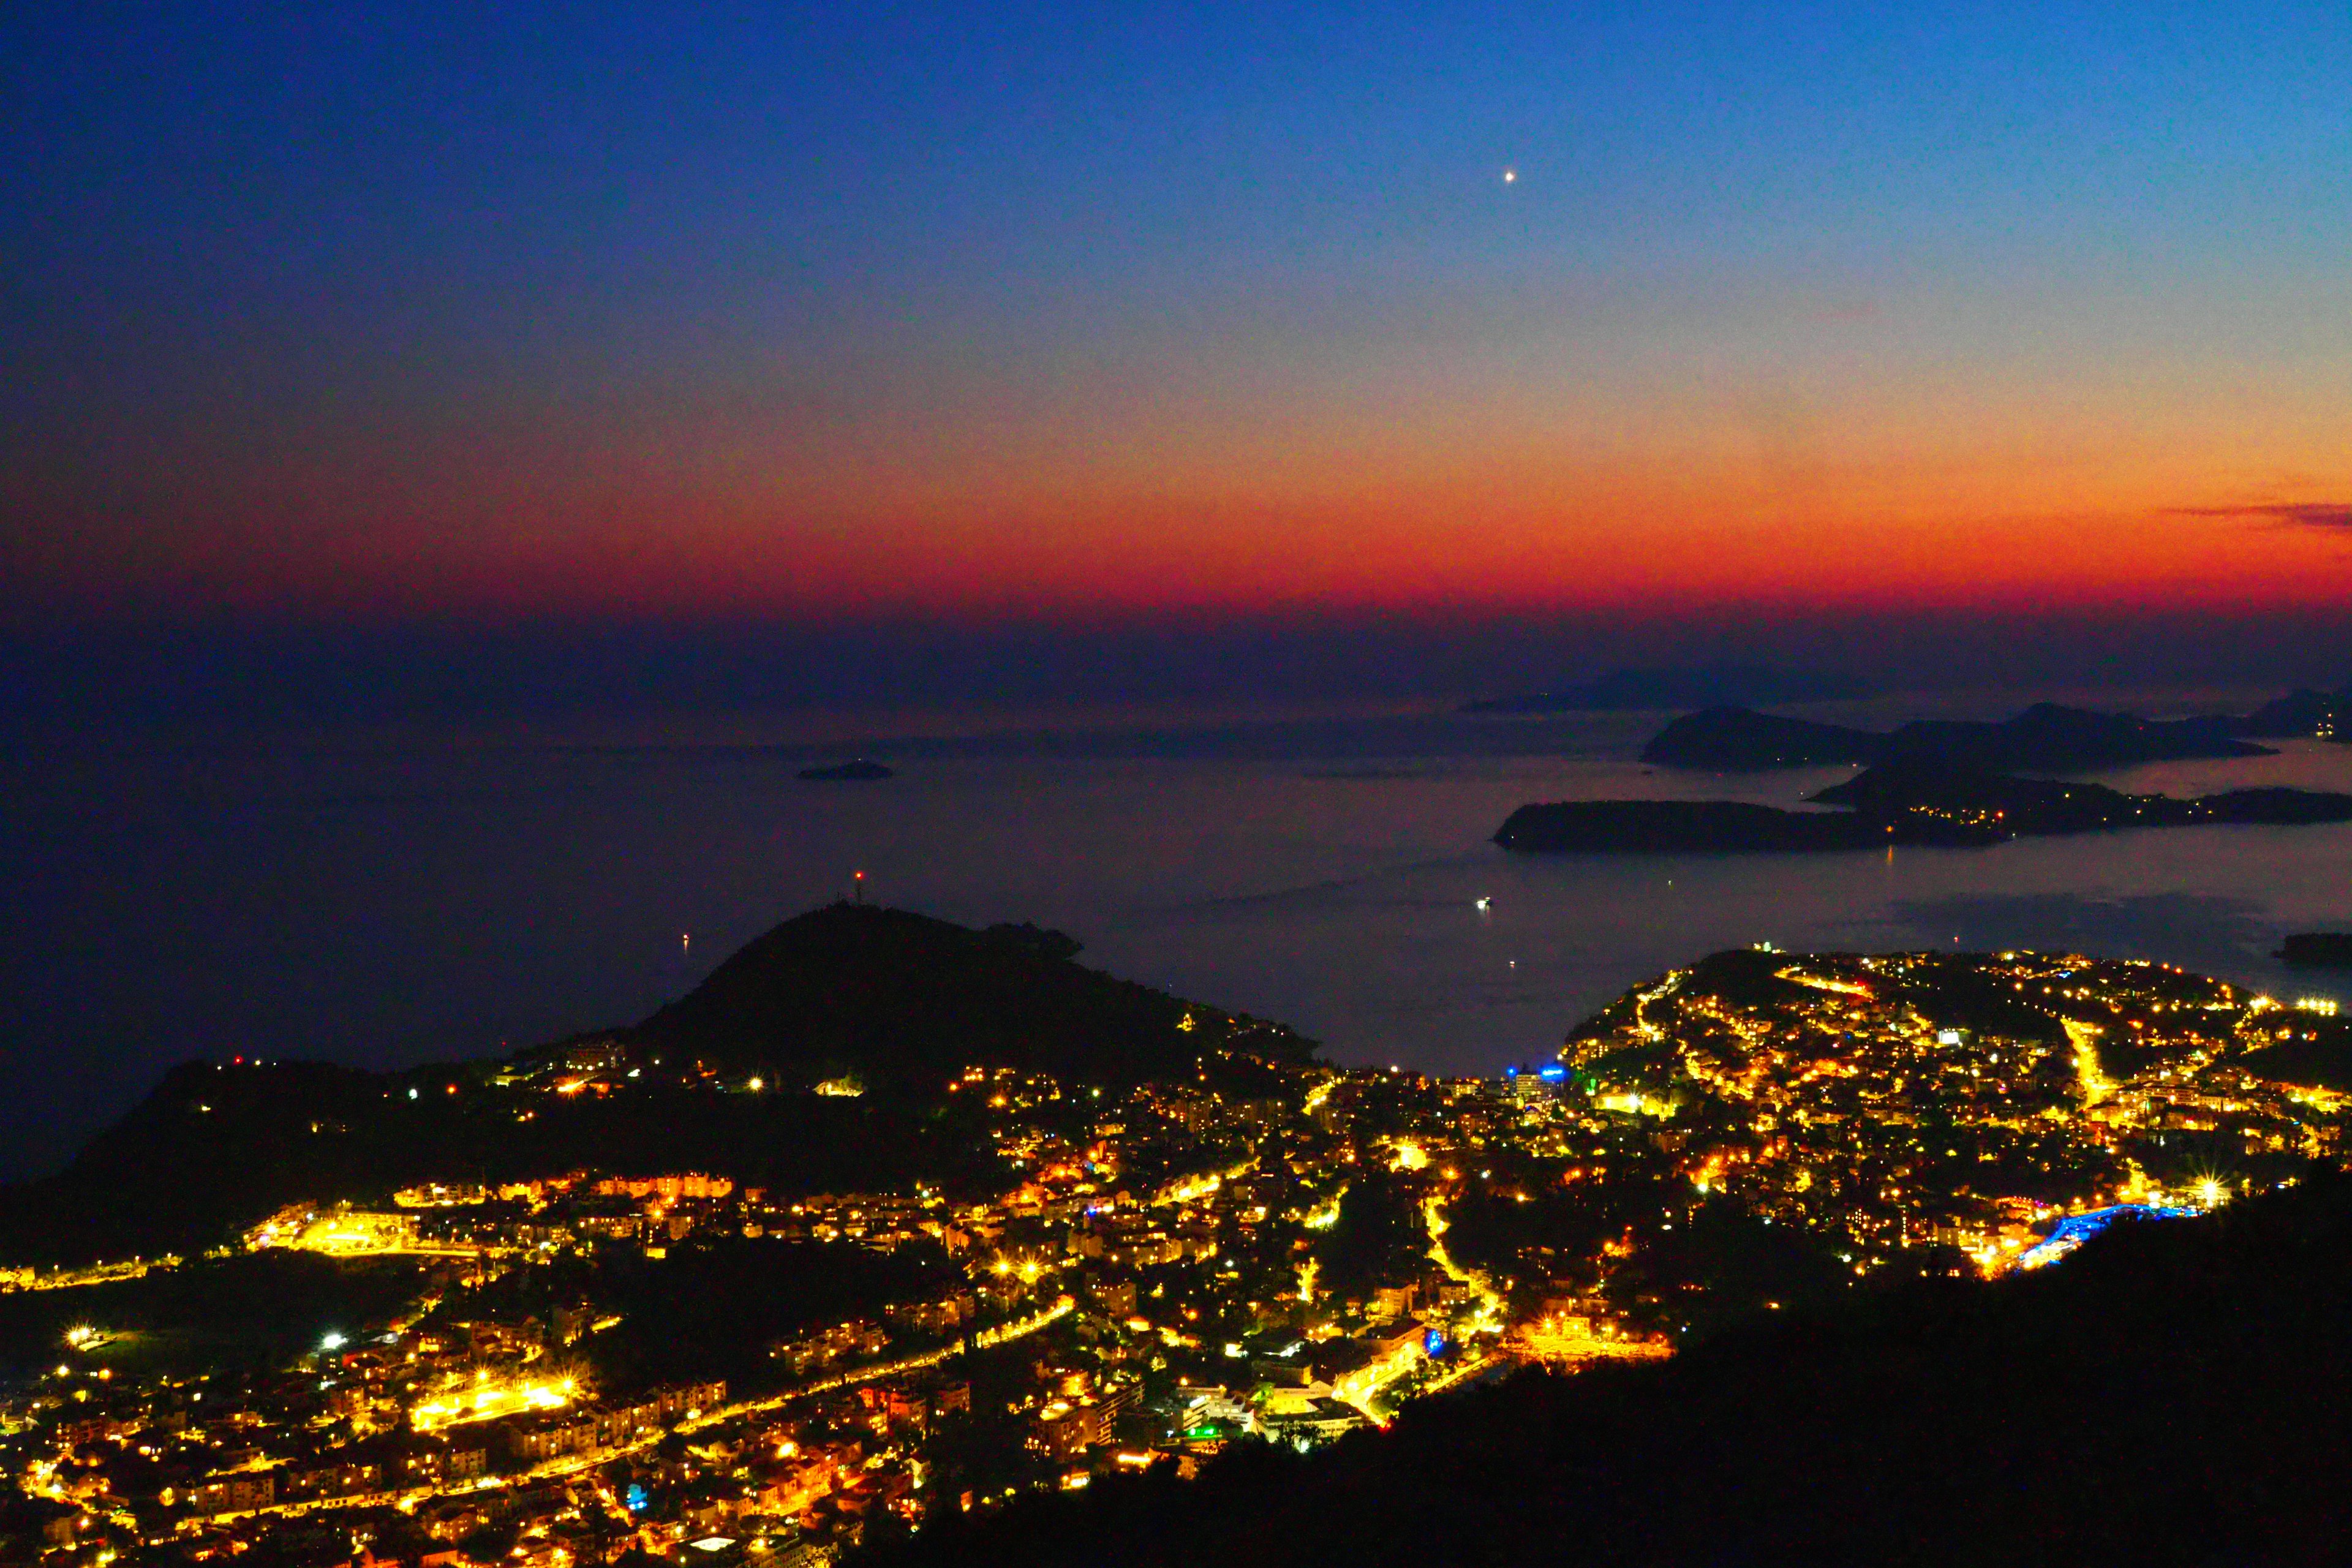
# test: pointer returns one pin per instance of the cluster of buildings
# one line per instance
(1273, 1252)
(1962, 1103)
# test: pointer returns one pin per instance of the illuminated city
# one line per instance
(1246, 786)
(1271, 1250)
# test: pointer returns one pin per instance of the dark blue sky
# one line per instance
(363, 316)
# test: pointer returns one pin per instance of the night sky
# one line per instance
(350, 318)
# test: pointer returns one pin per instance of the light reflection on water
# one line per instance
(394, 901)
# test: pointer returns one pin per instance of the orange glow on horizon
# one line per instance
(1482, 504)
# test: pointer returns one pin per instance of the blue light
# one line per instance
(1431, 1343)
(2079, 1228)
(636, 1497)
(1555, 1074)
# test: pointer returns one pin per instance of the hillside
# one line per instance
(897, 1003)
(2169, 1395)
(899, 999)
(2322, 715)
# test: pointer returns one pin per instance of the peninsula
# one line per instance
(1908, 803)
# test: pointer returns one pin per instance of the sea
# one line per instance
(388, 896)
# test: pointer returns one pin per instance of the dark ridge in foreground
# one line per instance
(2171, 1394)
(2043, 738)
(1908, 804)
(882, 1006)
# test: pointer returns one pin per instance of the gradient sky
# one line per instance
(346, 314)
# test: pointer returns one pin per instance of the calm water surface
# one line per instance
(387, 900)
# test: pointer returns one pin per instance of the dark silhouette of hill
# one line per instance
(897, 1002)
(1701, 686)
(901, 1000)
(1740, 739)
(2043, 738)
(2322, 715)
(2172, 1394)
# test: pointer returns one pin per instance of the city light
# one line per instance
(491, 1399)
(1824, 1095)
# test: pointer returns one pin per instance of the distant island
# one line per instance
(1910, 802)
(2318, 949)
(859, 772)
(1702, 686)
(2043, 738)
(2318, 715)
